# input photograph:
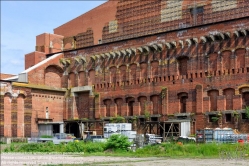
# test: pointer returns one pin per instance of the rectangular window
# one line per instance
(197, 10)
(212, 118)
(228, 117)
(243, 116)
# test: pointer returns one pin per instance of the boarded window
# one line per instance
(213, 94)
(229, 93)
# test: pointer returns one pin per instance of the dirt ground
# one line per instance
(9, 159)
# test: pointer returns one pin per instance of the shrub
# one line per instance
(118, 142)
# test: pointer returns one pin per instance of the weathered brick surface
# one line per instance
(148, 65)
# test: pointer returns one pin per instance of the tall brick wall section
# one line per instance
(28, 114)
(95, 19)
(2, 115)
(14, 117)
(197, 71)
(7, 115)
(208, 74)
(20, 116)
(33, 58)
(49, 43)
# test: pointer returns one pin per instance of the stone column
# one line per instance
(62, 128)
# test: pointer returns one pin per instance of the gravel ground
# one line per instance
(16, 159)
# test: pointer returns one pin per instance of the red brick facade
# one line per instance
(189, 67)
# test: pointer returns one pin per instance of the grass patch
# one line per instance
(170, 150)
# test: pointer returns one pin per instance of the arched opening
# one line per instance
(119, 102)
(183, 65)
(229, 93)
(213, 94)
(143, 100)
(53, 76)
(245, 96)
(107, 103)
(130, 101)
(156, 104)
(183, 96)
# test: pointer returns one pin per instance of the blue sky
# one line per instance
(22, 21)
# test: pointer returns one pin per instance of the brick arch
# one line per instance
(130, 101)
(22, 95)
(143, 101)
(240, 53)
(213, 94)
(245, 96)
(157, 104)
(8, 94)
(183, 64)
(119, 102)
(107, 103)
(53, 74)
(183, 96)
(229, 93)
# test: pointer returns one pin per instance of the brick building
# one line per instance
(164, 66)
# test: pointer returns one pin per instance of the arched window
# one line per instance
(183, 101)
(229, 93)
(213, 94)
(157, 104)
(53, 76)
(130, 101)
(245, 97)
(119, 103)
(107, 103)
(142, 100)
